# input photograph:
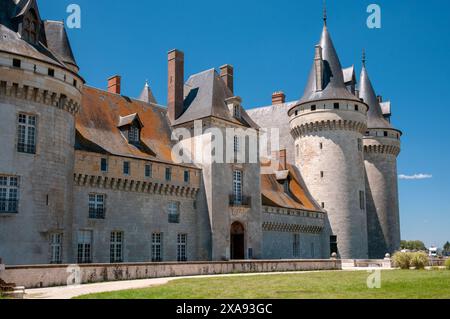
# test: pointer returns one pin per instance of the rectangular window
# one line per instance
(333, 244)
(116, 247)
(322, 174)
(336, 106)
(186, 176)
(313, 107)
(75, 83)
(133, 134)
(296, 245)
(148, 170)
(126, 168)
(237, 111)
(362, 200)
(168, 173)
(181, 247)
(9, 194)
(360, 145)
(236, 146)
(26, 134)
(51, 72)
(56, 248)
(97, 206)
(356, 107)
(17, 63)
(157, 247)
(321, 146)
(174, 212)
(237, 186)
(84, 247)
(104, 165)
(385, 134)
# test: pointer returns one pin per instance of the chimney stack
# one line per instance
(318, 67)
(175, 96)
(278, 98)
(226, 73)
(114, 84)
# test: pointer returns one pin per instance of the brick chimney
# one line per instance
(280, 156)
(278, 98)
(114, 84)
(175, 86)
(226, 73)
(318, 67)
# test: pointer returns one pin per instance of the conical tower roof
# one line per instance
(333, 86)
(147, 95)
(375, 118)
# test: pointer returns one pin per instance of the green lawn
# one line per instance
(401, 284)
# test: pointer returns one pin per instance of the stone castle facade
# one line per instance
(88, 175)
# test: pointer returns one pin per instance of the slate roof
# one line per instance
(349, 74)
(273, 193)
(375, 118)
(205, 94)
(98, 131)
(333, 85)
(58, 42)
(147, 95)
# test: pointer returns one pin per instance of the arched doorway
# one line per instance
(237, 241)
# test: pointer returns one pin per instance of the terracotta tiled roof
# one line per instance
(98, 131)
(273, 193)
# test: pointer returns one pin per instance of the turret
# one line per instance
(381, 148)
(328, 124)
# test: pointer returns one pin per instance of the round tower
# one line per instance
(328, 124)
(40, 93)
(381, 148)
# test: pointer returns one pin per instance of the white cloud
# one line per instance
(415, 176)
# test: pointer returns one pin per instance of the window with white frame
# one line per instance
(174, 212)
(168, 173)
(187, 176)
(237, 186)
(133, 134)
(116, 247)
(236, 146)
(237, 111)
(157, 247)
(97, 206)
(84, 247)
(181, 247)
(9, 194)
(26, 133)
(148, 170)
(296, 245)
(56, 248)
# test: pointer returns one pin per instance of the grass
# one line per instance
(401, 284)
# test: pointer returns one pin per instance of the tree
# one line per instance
(412, 245)
(447, 247)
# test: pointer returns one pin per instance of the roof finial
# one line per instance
(146, 83)
(324, 13)
(364, 57)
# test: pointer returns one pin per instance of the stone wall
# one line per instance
(58, 275)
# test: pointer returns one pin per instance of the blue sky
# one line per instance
(270, 44)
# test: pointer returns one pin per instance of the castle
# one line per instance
(88, 175)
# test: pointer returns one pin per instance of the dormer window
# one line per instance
(237, 111)
(30, 27)
(133, 134)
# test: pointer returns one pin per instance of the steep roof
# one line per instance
(205, 94)
(349, 74)
(333, 78)
(58, 42)
(273, 192)
(147, 95)
(98, 131)
(375, 118)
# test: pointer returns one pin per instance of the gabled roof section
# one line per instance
(386, 108)
(147, 95)
(333, 78)
(205, 94)
(349, 75)
(130, 119)
(58, 41)
(273, 192)
(98, 131)
(375, 118)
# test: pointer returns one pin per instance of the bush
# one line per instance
(447, 264)
(419, 260)
(402, 260)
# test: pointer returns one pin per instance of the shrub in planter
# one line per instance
(402, 260)
(419, 260)
(447, 264)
